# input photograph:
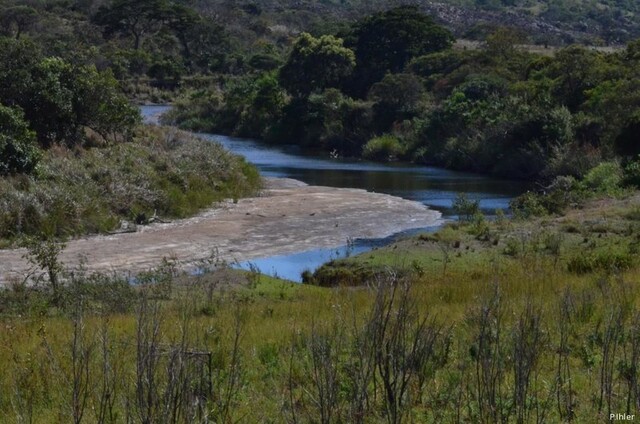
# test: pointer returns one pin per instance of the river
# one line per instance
(434, 187)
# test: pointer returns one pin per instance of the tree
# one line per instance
(316, 64)
(387, 41)
(17, 60)
(16, 20)
(395, 98)
(502, 42)
(19, 151)
(48, 101)
(136, 18)
(206, 45)
(574, 71)
(181, 20)
(99, 105)
(58, 98)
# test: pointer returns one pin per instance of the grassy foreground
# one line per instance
(162, 172)
(508, 321)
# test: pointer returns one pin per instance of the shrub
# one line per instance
(632, 173)
(386, 147)
(527, 205)
(465, 208)
(608, 261)
(605, 178)
(19, 152)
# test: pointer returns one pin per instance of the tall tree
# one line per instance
(136, 18)
(16, 20)
(19, 152)
(387, 41)
(316, 64)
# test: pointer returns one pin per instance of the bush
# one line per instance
(19, 152)
(605, 178)
(632, 173)
(91, 191)
(528, 205)
(465, 208)
(608, 261)
(386, 148)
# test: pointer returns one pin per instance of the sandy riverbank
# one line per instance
(288, 217)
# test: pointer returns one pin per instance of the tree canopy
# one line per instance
(387, 41)
(316, 64)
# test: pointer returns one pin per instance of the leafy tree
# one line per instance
(502, 42)
(60, 99)
(99, 105)
(17, 20)
(207, 45)
(387, 41)
(315, 64)
(19, 151)
(574, 71)
(48, 102)
(17, 60)
(264, 108)
(135, 18)
(396, 97)
(181, 19)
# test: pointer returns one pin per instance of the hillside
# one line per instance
(545, 21)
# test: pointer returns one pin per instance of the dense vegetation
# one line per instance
(363, 80)
(160, 174)
(390, 87)
(506, 321)
(73, 159)
(534, 319)
(73, 156)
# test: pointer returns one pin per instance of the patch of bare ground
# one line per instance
(288, 217)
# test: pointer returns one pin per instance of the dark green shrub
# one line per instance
(19, 152)
(528, 205)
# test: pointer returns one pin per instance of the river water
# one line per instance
(435, 187)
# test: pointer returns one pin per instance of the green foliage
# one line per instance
(133, 18)
(60, 99)
(632, 173)
(315, 64)
(96, 190)
(19, 152)
(606, 178)
(528, 205)
(384, 148)
(387, 41)
(16, 20)
(396, 98)
(329, 120)
(465, 208)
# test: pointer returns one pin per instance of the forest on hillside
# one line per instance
(378, 80)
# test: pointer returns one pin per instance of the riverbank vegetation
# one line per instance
(160, 174)
(526, 321)
(391, 87)
(352, 78)
(74, 159)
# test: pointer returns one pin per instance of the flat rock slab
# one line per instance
(288, 217)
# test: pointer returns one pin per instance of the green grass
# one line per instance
(281, 321)
(162, 172)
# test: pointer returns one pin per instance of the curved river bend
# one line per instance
(434, 187)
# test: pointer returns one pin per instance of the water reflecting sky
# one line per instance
(435, 187)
